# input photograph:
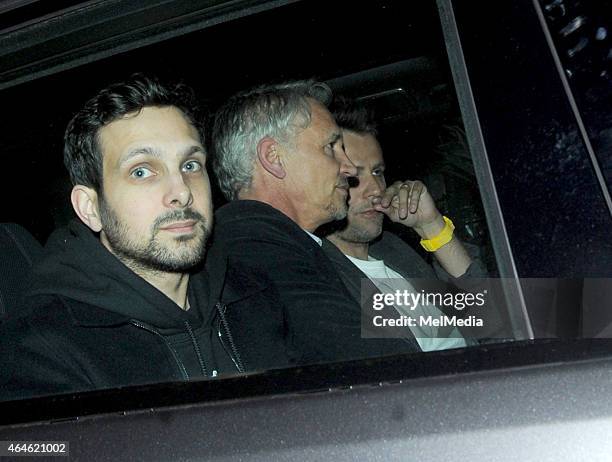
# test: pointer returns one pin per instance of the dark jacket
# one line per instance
(93, 323)
(323, 322)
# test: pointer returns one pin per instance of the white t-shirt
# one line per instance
(389, 281)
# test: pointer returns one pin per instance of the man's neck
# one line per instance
(352, 249)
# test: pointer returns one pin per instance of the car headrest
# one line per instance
(19, 250)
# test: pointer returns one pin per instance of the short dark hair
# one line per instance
(275, 110)
(351, 114)
(82, 153)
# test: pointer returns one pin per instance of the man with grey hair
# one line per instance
(280, 159)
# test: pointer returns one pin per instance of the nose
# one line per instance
(373, 187)
(178, 193)
(347, 167)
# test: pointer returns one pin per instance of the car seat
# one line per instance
(19, 250)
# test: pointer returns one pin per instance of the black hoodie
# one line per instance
(93, 323)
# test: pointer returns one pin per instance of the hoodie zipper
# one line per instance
(234, 355)
(174, 354)
(197, 350)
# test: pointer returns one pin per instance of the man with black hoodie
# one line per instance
(116, 299)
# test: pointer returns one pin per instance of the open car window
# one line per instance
(513, 179)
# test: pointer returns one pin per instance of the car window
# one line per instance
(396, 58)
(579, 33)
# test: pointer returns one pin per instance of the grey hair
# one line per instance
(275, 111)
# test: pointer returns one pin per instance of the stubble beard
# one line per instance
(337, 212)
(338, 209)
(153, 255)
(357, 234)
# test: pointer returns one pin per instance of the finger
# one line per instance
(404, 195)
(389, 211)
(390, 194)
(416, 190)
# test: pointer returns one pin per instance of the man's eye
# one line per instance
(141, 173)
(192, 166)
(377, 172)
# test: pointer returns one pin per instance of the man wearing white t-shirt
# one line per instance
(390, 263)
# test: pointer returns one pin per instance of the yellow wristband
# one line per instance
(443, 237)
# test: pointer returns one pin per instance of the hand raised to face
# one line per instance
(409, 203)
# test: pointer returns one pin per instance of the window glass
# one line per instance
(581, 36)
(580, 33)
(388, 55)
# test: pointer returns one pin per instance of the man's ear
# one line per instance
(268, 153)
(85, 204)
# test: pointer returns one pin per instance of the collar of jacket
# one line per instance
(228, 284)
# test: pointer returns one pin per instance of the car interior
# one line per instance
(502, 111)
(410, 87)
